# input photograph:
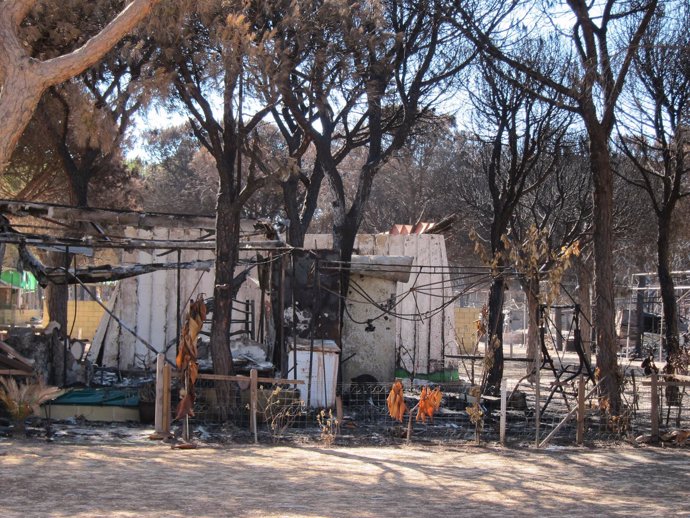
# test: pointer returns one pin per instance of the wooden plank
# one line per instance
(15, 364)
(106, 327)
(14, 372)
(667, 383)
(133, 243)
(170, 296)
(222, 377)
(395, 268)
(679, 377)
(481, 357)
(106, 216)
(450, 336)
(502, 424)
(8, 349)
(339, 415)
(104, 273)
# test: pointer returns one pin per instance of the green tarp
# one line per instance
(24, 280)
(99, 397)
(435, 377)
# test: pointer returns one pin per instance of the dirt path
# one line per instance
(39, 479)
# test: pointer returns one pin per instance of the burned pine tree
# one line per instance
(25, 78)
(76, 133)
(655, 140)
(359, 78)
(208, 49)
(551, 223)
(517, 145)
(586, 78)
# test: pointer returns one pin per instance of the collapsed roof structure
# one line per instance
(398, 316)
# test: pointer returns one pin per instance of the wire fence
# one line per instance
(358, 414)
(531, 416)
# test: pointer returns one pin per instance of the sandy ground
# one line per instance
(40, 479)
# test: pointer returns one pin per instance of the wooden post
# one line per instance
(558, 318)
(661, 340)
(537, 376)
(253, 393)
(339, 410)
(167, 417)
(568, 416)
(160, 383)
(186, 432)
(409, 424)
(580, 410)
(537, 397)
(655, 408)
(504, 405)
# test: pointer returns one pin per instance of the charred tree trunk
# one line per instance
(666, 285)
(227, 239)
(604, 310)
(584, 297)
(301, 214)
(670, 307)
(344, 242)
(57, 298)
(532, 295)
(296, 231)
(57, 295)
(494, 336)
(79, 182)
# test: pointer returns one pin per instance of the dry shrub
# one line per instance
(24, 399)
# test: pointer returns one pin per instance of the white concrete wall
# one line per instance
(370, 351)
(422, 343)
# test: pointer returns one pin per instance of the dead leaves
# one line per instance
(429, 402)
(186, 362)
(396, 401)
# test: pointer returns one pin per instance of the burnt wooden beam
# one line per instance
(145, 220)
(106, 273)
(133, 243)
(9, 356)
